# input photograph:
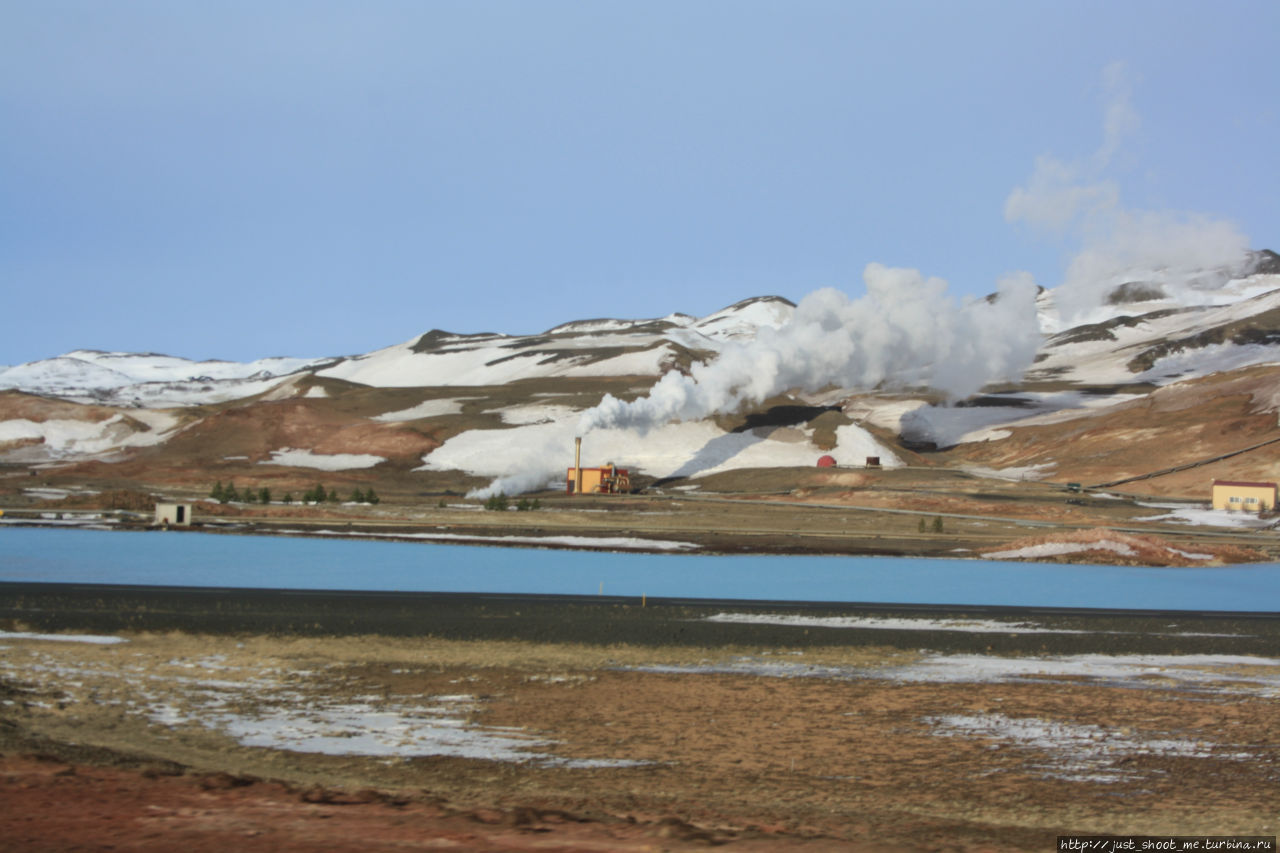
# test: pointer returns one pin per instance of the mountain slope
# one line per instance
(1149, 379)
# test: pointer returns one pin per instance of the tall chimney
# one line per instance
(577, 465)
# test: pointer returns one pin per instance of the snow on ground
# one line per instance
(1186, 671)
(646, 362)
(534, 414)
(257, 709)
(399, 366)
(426, 409)
(1244, 674)
(322, 461)
(360, 728)
(854, 444)
(61, 438)
(1057, 549)
(887, 623)
(1074, 752)
(603, 543)
(87, 522)
(1200, 515)
(744, 319)
(49, 493)
(316, 391)
(117, 369)
(1105, 362)
(882, 413)
(95, 639)
(1026, 472)
(149, 379)
(533, 456)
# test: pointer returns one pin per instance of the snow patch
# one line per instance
(324, 462)
(1181, 513)
(425, 409)
(1057, 549)
(1074, 752)
(94, 639)
(885, 623)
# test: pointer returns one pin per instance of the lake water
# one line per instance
(194, 559)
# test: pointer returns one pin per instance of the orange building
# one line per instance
(609, 480)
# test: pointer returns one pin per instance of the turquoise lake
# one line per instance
(207, 560)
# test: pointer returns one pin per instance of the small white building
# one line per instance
(173, 514)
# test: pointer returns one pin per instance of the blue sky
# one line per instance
(243, 179)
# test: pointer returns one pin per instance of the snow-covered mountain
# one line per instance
(148, 379)
(484, 405)
(590, 348)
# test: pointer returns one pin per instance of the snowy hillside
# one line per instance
(578, 349)
(395, 407)
(148, 379)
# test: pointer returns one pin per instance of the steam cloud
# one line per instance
(905, 331)
(1076, 200)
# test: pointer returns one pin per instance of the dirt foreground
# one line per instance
(162, 741)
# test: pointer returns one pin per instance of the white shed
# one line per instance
(173, 514)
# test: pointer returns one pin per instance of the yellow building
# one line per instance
(1243, 497)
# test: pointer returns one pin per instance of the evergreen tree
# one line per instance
(216, 494)
(357, 497)
(372, 497)
(288, 497)
(921, 526)
(937, 524)
(264, 495)
(229, 493)
(333, 496)
(249, 496)
(536, 504)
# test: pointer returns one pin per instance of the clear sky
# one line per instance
(242, 179)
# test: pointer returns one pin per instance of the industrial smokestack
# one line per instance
(577, 465)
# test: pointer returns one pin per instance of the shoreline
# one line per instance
(713, 543)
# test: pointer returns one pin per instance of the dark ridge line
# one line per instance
(20, 587)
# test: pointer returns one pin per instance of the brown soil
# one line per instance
(1143, 550)
(1185, 422)
(747, 761)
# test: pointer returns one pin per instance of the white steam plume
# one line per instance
(1116, 243)
(905, 331)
